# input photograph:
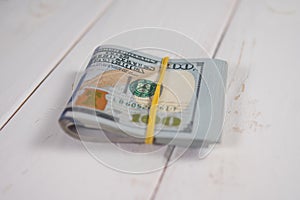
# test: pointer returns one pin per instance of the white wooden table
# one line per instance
(43, 44)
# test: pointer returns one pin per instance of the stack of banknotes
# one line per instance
(113, 96)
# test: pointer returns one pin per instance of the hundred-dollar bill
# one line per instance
(112, 99)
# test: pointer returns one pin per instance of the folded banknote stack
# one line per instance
(113, 97)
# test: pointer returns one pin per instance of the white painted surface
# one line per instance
(259, 156)
(34, 36)
(39, 161)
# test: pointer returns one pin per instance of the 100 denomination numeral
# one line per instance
(167, 121)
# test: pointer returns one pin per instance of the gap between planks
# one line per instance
(216, 49)
(169, 153)
(225, 29)
(84, 32)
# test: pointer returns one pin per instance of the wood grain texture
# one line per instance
(35, 35)
(41, 161)
(258, 157)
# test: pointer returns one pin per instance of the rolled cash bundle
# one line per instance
(112, 100)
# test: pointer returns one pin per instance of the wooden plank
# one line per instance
(258, 157)
(35, 35)
(40, 161)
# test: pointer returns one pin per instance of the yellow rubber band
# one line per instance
(152, 113)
